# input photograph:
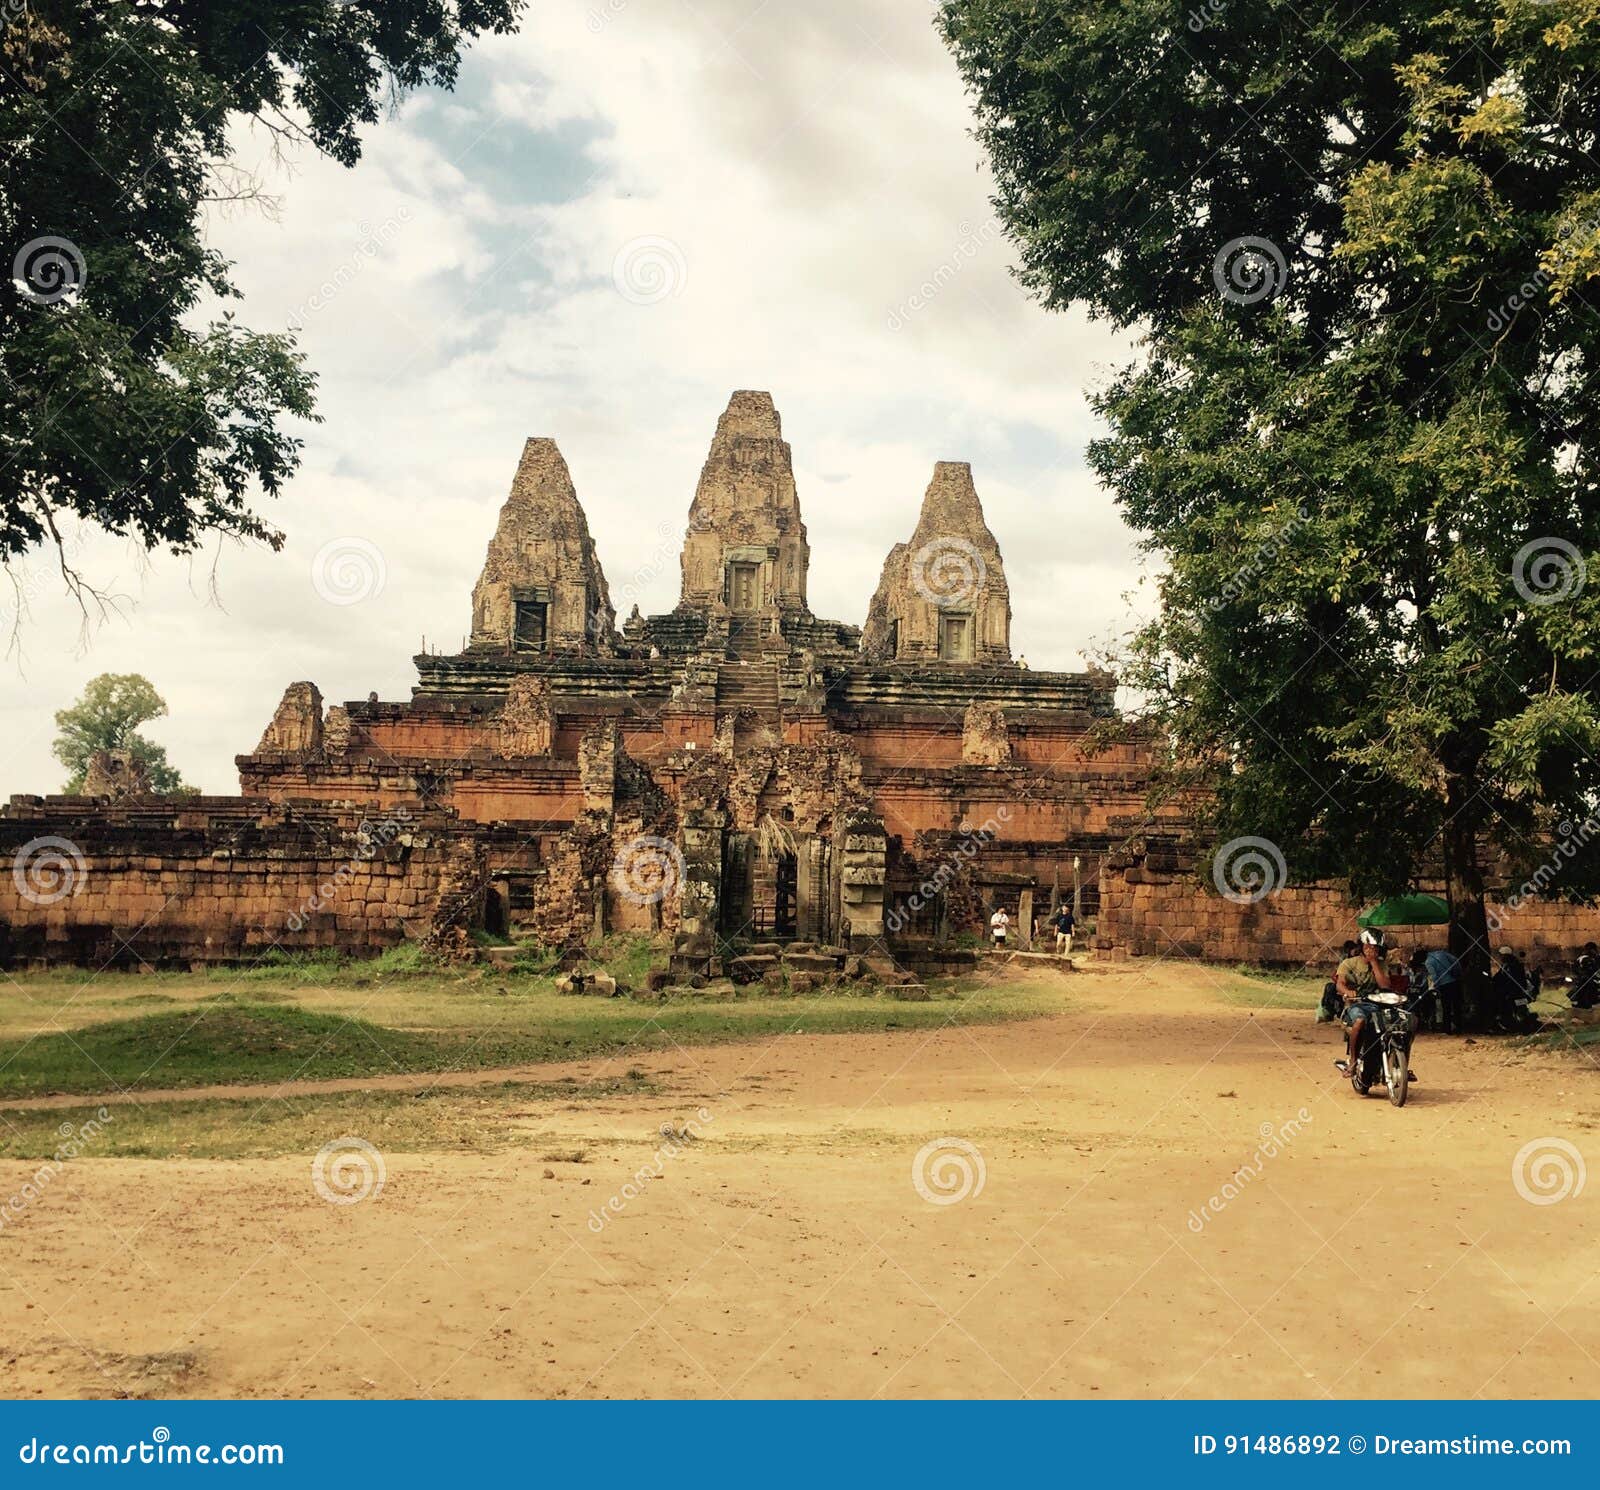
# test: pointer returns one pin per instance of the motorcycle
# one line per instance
(1385, 1047)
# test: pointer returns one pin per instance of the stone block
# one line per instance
(810, 963)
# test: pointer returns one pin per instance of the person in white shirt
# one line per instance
(998, 923)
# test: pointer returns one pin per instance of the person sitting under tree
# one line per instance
(1586, 984)
(1426, 1004)
(1513, 991)
(1444, 977)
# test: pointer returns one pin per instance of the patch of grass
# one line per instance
(225, 1037)
(277, 966)
(469, 1119)
(536, 960)
(1572, 1035)
(249, 996)
(1270, 988)
(627, 956)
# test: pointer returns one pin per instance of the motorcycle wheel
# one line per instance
(1395, 1074)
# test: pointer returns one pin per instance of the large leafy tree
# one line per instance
(117, 404)
(108, 717)
(1360, 246)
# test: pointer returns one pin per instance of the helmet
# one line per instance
(1372, 938)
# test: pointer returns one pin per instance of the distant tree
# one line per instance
(1362, 247)
(107, 717)
(118, 406)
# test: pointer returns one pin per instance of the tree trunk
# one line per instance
(1469, 922)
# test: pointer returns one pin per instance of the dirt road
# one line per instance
(1114, 1220)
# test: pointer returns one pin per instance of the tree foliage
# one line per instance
(1360, 245)
(107, 717)
(116, 407)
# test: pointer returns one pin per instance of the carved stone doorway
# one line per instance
(744, 588)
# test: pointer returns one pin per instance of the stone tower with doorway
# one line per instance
(943, 596)
(745, 555)
(542, 591)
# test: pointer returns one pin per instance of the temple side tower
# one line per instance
(542, 590)
(943, 596)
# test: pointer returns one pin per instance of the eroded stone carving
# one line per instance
(985, 740)
(296, 728)
(526, 721)
(115, 773)
(336, 732)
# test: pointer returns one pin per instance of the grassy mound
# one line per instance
(219, 1039)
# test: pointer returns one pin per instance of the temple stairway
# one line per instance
(750, 686)
(744, 638)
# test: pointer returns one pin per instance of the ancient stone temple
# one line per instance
(737, 770)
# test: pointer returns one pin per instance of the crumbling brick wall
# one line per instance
(1152, 913)
(619, 867)
(211, 883)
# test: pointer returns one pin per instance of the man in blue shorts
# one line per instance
(1357, 979)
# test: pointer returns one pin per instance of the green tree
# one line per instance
(115, 116)
(107, 717)
(1359, 245)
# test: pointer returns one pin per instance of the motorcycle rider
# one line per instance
(1357, 978)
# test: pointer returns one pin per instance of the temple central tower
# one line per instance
(746, 545)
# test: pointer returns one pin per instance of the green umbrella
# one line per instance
(1407, 910)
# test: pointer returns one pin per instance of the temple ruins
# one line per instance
(738, 773)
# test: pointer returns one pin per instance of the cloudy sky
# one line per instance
(621, 215)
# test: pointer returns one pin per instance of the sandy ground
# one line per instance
(789, 1250)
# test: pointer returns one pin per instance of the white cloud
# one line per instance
(814, 169)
